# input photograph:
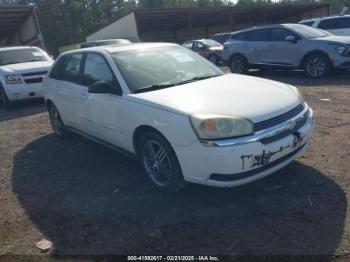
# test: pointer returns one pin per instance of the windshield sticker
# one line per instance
(181, 57)
(37, 54)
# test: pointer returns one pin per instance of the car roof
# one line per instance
(16, 48)
(121, 48)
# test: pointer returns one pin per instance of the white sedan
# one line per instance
(178, 114)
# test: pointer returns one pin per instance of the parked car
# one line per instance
(105, 42)
(207, 48)
(222, 37)
(337, 25)
(287, 46)
(178, 114)
(21, 73)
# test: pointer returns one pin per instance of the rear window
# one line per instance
(335, 23)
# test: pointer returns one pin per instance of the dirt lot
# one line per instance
(88, 199)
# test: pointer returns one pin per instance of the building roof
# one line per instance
(176, 18)
(12, 17)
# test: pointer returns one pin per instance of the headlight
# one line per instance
(296, 91)
(13, 79)
(341, 50)
(209, 126)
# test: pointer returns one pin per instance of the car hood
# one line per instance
(251, 97)
(335, 39)
(27, 67)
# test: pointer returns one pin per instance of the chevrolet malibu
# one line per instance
(178, 114)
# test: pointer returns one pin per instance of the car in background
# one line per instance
(207, 48)
(105, 42)
(337, 25)
(287, 46)
(222, 37)
(179, 115)
(21, 72)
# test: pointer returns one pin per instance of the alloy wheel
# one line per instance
(55, 120)
(157, 163)
(316, 67)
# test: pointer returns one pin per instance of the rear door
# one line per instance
(279, 51)
(69, 90)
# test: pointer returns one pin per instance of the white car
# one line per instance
(337, 25)
(21, 73)
(178, 114)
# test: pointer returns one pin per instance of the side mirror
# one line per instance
(291, 38)
(101, 87)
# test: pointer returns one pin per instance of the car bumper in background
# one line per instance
(23, 91)
(244, 162)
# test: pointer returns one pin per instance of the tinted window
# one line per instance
(279, 34)
(96, 69)
(56, 69)
(329, 24)
(344, 22)
(71, 68)
(306, 31)
(197, 46)
(310, 23)
(240, 36)
(258, 35)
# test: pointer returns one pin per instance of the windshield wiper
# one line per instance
(153, 88)
(161, 86)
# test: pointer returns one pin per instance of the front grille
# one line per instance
(33, 80)
(278, 119)
(299, 124)
(35, 73)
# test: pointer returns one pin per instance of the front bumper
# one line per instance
(235, 163)
(23, 91)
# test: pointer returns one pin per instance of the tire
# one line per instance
(6, 103)
(56, 121)
(239, 65)
(160, 163)
(317, 66)
(214, 59)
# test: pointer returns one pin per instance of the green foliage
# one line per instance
(65, 22)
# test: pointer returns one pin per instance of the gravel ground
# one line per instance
(89, 200)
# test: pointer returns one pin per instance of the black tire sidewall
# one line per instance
(215, 57)
(4, 99)
(177, 182)
(326, 60)
(244, 60)
(62, 130)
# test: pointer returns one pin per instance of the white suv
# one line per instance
(337, 25)
(21, 73)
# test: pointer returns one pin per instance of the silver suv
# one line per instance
(287, 46)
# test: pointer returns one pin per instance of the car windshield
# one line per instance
(161, 67)
(17, 56)
(211, 43)
(306, 31)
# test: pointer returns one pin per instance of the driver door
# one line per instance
(102, 110)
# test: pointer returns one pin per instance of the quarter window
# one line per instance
(71, 68)
(96, 69)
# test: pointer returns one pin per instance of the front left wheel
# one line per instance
(160, 163)
(6, 103)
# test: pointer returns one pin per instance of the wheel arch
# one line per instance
(237, 54)
(316, 52)
(138, 133)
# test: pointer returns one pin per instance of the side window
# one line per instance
(344, 22)
(329, 24)
(197, 46)
(96, 69)
(70, 70)
(258, 35)
(240, 36)
(188, 45)
(278, 34)
(56, 69)
(309, 23)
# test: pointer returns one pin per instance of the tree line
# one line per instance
(65, 22)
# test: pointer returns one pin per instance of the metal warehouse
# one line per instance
(181, 24)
